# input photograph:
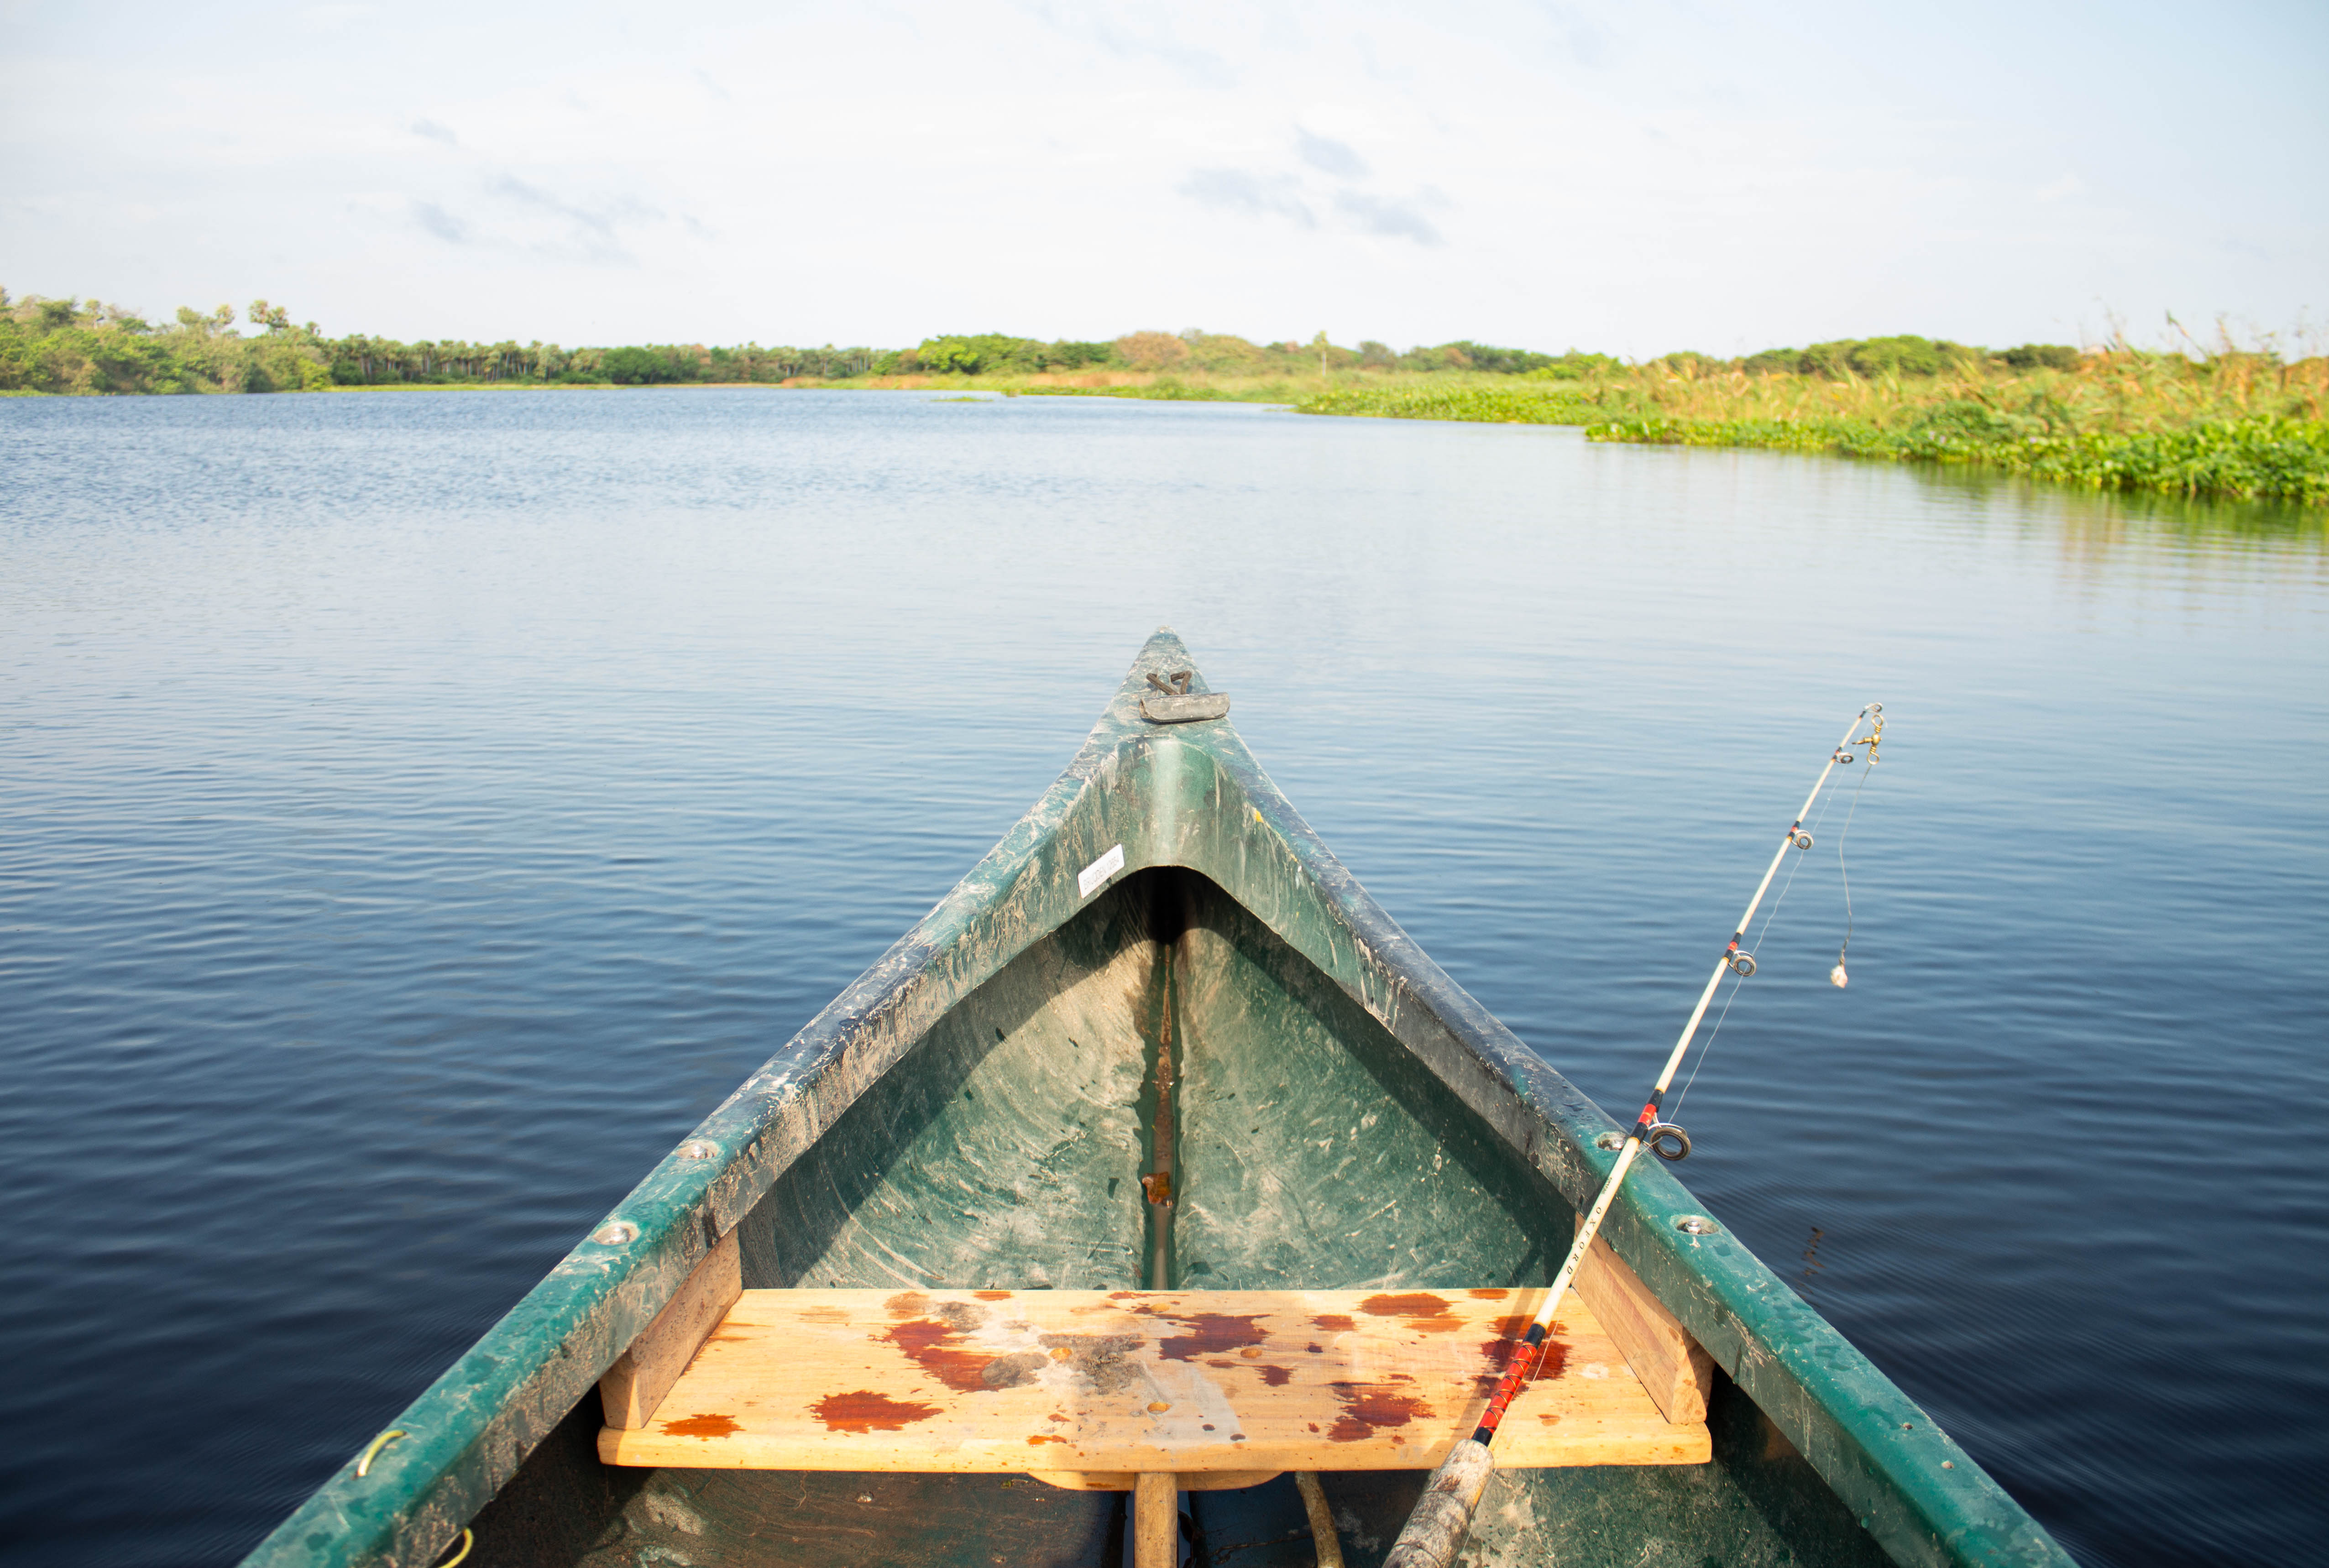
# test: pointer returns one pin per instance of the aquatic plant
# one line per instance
(2260, 458)
(2232, 423)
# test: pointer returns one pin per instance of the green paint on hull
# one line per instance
(1003, 1154)
(1319, 1154)
(977, 1110)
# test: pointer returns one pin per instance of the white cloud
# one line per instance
(1385, 216)
(435, 219)
(1328, 155)
(1255, 195)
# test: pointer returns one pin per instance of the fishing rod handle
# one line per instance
(1435, 1531)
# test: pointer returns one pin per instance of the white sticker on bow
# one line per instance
(1090, 879)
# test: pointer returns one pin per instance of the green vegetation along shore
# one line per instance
(2231, 423)
(2226, 421)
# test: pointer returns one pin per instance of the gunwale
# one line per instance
(1188, 796)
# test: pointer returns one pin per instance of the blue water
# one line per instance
(421, 809)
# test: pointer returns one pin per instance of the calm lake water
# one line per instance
(422, 808)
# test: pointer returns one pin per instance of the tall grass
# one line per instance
(2226, 424)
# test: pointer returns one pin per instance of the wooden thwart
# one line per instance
(635, 1385)
(1675, 1369)
(1092, 1388)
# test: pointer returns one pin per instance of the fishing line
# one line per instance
(1770, 920)
(1837, 974)
(1434, 1530)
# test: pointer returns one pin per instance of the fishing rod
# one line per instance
(1436, 1529)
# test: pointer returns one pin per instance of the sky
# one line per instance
(1719, 175)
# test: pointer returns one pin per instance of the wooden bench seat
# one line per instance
(1091, 1388)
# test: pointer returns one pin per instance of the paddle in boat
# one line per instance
(1153, 1199)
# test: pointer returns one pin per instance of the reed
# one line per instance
(2231, 423)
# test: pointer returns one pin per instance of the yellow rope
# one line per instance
(363, 1465)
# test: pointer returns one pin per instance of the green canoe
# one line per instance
(1226, 1006)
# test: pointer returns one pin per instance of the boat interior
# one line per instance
(1158, 1096)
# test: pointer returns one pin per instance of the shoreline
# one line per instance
(2219, 453)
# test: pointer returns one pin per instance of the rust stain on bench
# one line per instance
(1367, 1406)
(860, 1411)
(933, 1346)
(1209, 1332)
(1424, 1312)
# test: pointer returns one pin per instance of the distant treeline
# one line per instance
(1875, 358)
(995, 353)
(75, 346)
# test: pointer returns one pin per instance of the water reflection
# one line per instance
(2106, 520)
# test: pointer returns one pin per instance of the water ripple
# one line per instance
(423, 809)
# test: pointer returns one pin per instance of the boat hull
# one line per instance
(1223, 1001)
